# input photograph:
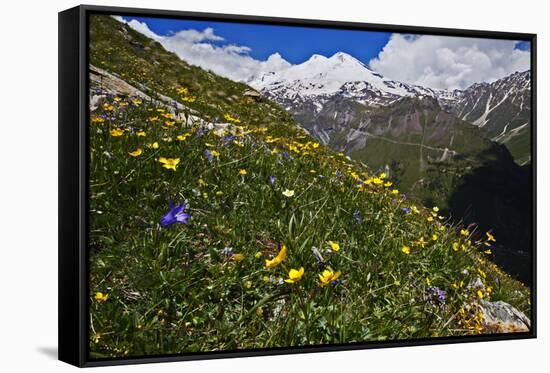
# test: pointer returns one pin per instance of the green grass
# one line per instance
(174, 289)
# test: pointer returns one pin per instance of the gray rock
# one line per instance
(501, 317)
(255, 95)
(476, 284)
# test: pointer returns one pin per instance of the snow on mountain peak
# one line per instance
(320, 75)
(317, 57)
(343, 57)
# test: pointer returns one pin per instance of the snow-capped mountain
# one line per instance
(323, 89)
(340, 74)
(501, 109)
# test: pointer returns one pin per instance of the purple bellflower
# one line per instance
(175, 215)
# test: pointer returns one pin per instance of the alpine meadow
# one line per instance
(277, 211)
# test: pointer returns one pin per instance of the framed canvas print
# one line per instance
(235, 186)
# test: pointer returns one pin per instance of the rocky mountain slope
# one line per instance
(502, 110)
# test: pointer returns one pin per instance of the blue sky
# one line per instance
(240, 51)
(294, 44)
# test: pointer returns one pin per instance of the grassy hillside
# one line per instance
(280, 242)
(145, 63)
(439, 160)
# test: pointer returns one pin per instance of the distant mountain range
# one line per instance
(500, 109)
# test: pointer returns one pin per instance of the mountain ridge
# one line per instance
(319, 79)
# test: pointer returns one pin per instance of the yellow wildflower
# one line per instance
(464, 232)
(238, 257)
(272, 263)
(117, 132)
(490, 237)
(295, 275)
(141, 134)
(481, 273)
(182, 137)
(100, 297)
(169, 163)
(136, 153)
(421, 242)
(229, 118)
(242, 171)
(334, 246)
(293, 148)
(434, 237)
(406, 250)
(328, 276)
(435, 209)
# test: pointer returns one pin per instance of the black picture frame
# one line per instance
(73, 182)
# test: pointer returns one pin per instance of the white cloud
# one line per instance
(448, 62)
(196, 47)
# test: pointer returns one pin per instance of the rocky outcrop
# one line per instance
(252, 95)
(110, 84)
(501, 317)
